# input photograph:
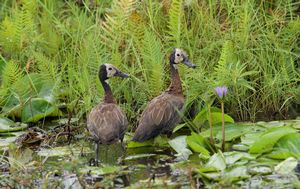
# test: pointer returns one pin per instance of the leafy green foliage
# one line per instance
(252, 48)
(153, 58)
(175, 22)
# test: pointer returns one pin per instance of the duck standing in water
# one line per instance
(163, 112)
(106, 122)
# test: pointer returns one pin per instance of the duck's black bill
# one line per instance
(121, 74)
(188, 63)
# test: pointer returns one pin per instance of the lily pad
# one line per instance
(287, 146)
(259, 170)
(271, 124)
(236, 174)
(240, 147)
(7, 125)
(286, 166)
(100, 170)
(216, 162)
(7, 140)
(133, 144)
(63, 151)
(268, 139)
(233, 157)
(232, 131)
(198, 144)
(139, 156)
(179, 144)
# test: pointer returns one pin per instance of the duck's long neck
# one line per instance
(175, 86)
(108, 96)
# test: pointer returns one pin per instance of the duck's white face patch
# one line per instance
(110, 70)
(179, 56)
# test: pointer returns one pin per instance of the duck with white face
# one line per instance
(106, 122)
(180, 56)
(163, 112)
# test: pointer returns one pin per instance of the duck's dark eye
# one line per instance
(177, 54)
(109, 68)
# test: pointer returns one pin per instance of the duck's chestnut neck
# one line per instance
(175, 86)
(108, 96)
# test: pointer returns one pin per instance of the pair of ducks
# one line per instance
(107, 123)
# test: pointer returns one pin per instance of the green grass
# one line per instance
(250, 46)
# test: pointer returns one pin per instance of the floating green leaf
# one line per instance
(232, 131)
(215, 162)
(100, 170)
(286, 166)
(268, 139)
(198, 144)
(233, 157)
(179, 144)
(63, 151)
(7, 125)
(287, 146)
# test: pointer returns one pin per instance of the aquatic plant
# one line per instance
(221, 92)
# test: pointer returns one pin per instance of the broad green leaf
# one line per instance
(287, 146)
(37, 109)
(100, 170)
(233, 157)
(12, 105)
(250, 138)
(286, 166)
(133, 144)
(268, 139)
(63, 151)
(232, 131)
(240, 147)
(216, 115)
(271, 124)
(215, 162)
(197, 143)
(179, 144)
(259, 170)
(46, 92)
(236, 174)
(7, 125)
(217, 118)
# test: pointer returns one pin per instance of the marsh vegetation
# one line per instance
(50, 53)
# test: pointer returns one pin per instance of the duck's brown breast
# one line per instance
(107, 123)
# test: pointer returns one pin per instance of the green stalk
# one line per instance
(223, 127)
(210, 126)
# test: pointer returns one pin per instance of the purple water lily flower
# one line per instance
(221, 91)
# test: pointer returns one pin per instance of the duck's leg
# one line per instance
(122, 144)
(123, 156)
(97, 153)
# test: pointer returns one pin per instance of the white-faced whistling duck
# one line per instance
(106, 121)
(163, 112)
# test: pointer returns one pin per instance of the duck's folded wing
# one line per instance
(159, 113)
